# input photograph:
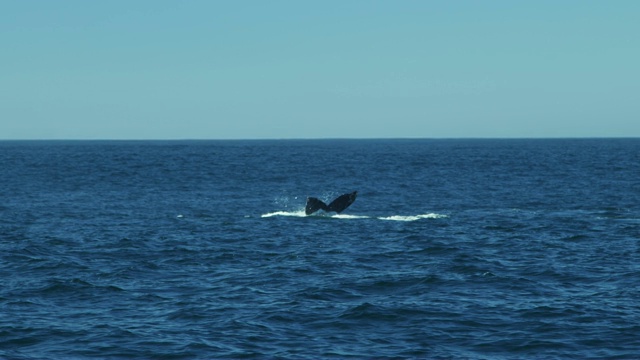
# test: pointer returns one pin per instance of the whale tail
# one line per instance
(338, 205)
(313, 205)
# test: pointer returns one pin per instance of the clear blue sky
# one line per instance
(246, 69)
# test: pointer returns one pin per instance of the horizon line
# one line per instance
(324, 138)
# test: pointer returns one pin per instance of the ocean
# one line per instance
(463, 249)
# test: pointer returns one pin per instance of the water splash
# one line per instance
(301, 213)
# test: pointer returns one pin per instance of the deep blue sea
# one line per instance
(464, 249)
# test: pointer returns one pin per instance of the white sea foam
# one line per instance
(347, 216)
(285, 213)
(413, 217)
(301, 213)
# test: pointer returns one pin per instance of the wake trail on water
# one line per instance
(301, 213)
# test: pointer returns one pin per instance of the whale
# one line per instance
(338, 205)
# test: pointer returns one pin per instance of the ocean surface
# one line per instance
(465, 249)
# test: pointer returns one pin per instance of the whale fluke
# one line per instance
(338, 205)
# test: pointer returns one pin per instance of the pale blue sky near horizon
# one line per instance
(205, 69)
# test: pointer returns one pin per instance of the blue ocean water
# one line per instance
(477, 249)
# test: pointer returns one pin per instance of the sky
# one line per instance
(281, 69)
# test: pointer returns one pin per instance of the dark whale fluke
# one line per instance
(338, 205)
